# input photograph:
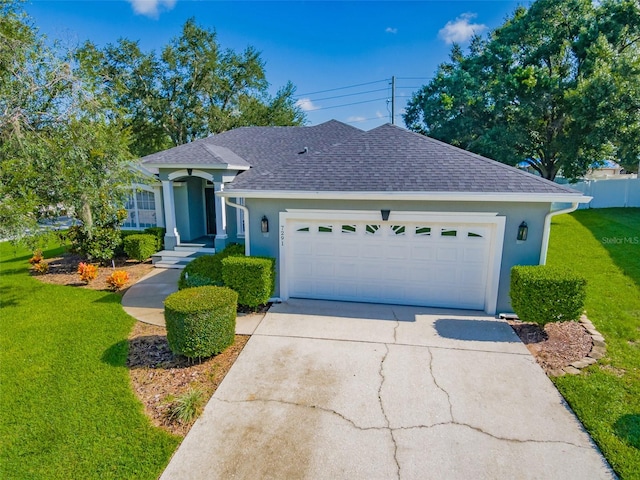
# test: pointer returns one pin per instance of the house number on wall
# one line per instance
(282, 235)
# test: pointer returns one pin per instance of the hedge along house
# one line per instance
(386, 216)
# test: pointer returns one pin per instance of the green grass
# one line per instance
(604, 246)
(67, 409)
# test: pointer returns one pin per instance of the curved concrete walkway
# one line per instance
(330, 390)
(144, 301)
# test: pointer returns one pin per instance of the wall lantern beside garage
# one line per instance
(523, 231)
(385, 214)
(264, 224)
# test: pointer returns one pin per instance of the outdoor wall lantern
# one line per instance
(264, 224)
(189, 171)
(523, 230)
(385, 214)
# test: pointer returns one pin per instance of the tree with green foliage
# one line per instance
(557, 86)
(62, 146)
(192, 89)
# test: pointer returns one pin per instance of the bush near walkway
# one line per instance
(201, 321)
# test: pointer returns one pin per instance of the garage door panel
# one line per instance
(441, 265)
(446, 254)
(302, 248)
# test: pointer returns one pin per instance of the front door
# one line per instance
(210, 206)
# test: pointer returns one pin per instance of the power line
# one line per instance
(347, 95)
(349, 104)
(341, 88)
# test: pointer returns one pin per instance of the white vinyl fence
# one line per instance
(610, 192)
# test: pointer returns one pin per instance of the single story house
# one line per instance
(386, 215)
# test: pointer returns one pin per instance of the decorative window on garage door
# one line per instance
(348, 229)
(372, 229)
(422, 231)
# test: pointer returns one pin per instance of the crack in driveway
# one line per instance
(384, 413)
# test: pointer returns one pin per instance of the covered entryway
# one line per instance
(436, 260)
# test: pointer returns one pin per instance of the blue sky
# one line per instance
(317, 45)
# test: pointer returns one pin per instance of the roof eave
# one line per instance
(424, 196)
(198, 166)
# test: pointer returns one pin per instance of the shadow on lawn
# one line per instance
(147, 351)
(627, 428)
(8, 297)
(618, 230)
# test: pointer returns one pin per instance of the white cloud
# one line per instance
(356, 119)
(151, 8)
(379, 114)
(391, 30)
(306, 105)
(461, 29)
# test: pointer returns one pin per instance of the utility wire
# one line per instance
(341, 88)
(349, 104)
(348, 95)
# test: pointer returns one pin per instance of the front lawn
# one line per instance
(604, 246)
(66, 405)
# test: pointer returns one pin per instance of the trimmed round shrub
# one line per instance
(140, 247)
(543, 294)
(207, 269)
(201, 321)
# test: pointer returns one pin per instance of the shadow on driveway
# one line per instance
(474, 330)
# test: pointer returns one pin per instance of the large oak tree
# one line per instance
(192, 89)
(557, 86)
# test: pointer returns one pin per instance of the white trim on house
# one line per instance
(194, 173)
(247, 243)
(547, 230)
(495, 223)
(423, 196)
(208, 166)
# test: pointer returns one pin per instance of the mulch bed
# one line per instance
(555, 346)
(63, 270)
(158, 376)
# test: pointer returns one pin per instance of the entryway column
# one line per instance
(221, 218)
(157, 200)
(171, 238)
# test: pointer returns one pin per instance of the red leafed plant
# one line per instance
(37, 257)
(87, 272)
(40, 267)
(118, 279)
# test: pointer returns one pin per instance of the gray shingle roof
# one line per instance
(199, 152)
(341, 158)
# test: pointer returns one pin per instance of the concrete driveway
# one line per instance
(329, 390)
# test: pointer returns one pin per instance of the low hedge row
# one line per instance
(252, 277)
(207, 270)
(201, 321)
(140, 247)
(544, 294)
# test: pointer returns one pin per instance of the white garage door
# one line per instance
(409, 263)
